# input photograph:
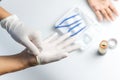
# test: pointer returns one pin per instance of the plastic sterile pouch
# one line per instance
(78, 24)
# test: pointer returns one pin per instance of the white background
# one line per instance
(87, 65)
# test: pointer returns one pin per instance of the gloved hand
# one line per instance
(55, 48)
(21, 33)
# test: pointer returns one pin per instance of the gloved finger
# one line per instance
(62, 38)
(68, 42)
(72, 48)
(51, 38)
(114, 10)
(105, 14)
(34, 50)
(36, 39)
(110, 14)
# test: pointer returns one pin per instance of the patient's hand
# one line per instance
(103, 9)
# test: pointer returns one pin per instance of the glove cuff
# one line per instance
(38, 60)
(5, 23)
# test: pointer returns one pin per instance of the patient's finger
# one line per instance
(105, 14)
(110, 14)
(114, 10)
(99, 15)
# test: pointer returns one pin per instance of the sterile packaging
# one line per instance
(78, 24)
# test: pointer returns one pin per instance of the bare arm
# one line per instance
(16, 62)
(3, 13)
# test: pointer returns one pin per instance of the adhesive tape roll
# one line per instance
(112, 43)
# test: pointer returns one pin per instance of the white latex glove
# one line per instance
(21, 33)
(56, 48)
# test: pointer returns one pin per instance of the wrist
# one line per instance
(9, 22)
(32, 61)
(27, 59)
(3, 13)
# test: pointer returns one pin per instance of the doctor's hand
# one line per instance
(55, 48)
(103, 9)
(21, 33)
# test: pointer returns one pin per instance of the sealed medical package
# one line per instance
(78, 24)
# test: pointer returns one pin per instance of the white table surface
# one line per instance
(87, 65)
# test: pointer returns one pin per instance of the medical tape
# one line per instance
(112, 43)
